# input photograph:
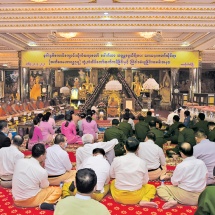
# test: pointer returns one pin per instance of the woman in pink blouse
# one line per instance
(47, 130)
(68, 128)
(35, 134)
(89, 126)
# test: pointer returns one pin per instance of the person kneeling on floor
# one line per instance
(100, 165)
(30, 185)
(188, 180)
(131, 177)
(81, 203)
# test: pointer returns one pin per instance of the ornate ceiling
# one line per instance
(179, 25)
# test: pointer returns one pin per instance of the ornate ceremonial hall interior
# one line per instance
(101, 53)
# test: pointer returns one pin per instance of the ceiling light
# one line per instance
(106, 13)
(148, 35)
(32, 44)
(67, 35)
(169, 0)
(185, 44)
(4, 64)
(39, 1)
(109, 44)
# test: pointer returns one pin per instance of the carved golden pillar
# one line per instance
(174, 79)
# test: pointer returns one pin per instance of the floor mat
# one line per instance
(7, 207)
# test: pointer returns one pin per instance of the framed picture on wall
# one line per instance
(129, 103)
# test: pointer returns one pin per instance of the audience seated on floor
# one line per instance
(205, 151)
(5, 136)
(57, 163)
(211, 134)
(158, 133)
(100, 165)
(35, 134)
(82, 203)
(187, 118)
(126, 127)
(30, 185)
(86, 151)
(153, 155)
(188, 180)
(130, 175)
(115, 132)
(68, 128)
(8, 158)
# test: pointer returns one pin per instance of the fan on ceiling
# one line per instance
(53, 36)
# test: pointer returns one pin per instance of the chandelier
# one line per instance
(67, 35)
(148, 35)
(38, 0)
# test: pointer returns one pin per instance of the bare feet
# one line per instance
(148, 204)
(169, 204)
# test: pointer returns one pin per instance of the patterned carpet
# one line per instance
(7, 207)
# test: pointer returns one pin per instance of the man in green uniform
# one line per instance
(126, 127)
(141, 129)
(201, 124)
(172, 133)
(211, 134)
(206, 202)
(159, 134)
(186, 135)
(115, 132)
(149, 117)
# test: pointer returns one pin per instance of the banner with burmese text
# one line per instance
(105, 59)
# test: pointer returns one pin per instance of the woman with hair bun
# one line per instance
(89, 126)
(68, 128)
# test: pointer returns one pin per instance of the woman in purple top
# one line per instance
(89, 126)
(68, 128)
(35, 134)
(47, 130)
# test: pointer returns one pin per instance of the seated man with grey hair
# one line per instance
(86, 151)
(8, 158)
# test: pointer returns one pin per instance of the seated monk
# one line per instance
(8, 108)
(39, 103)
(33, 104)
(21, 107)
(15, 107)
(2, 112)
(47, 103)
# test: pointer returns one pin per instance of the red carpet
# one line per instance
(7, 207)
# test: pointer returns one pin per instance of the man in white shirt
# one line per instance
(82, 203)
(188, 180)
(170, 118)
(86, 151)
(30, 185)
(100, 165)
(205, 151)
(8, 158)
(131, 177)
(57, 163)
(153, 155)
